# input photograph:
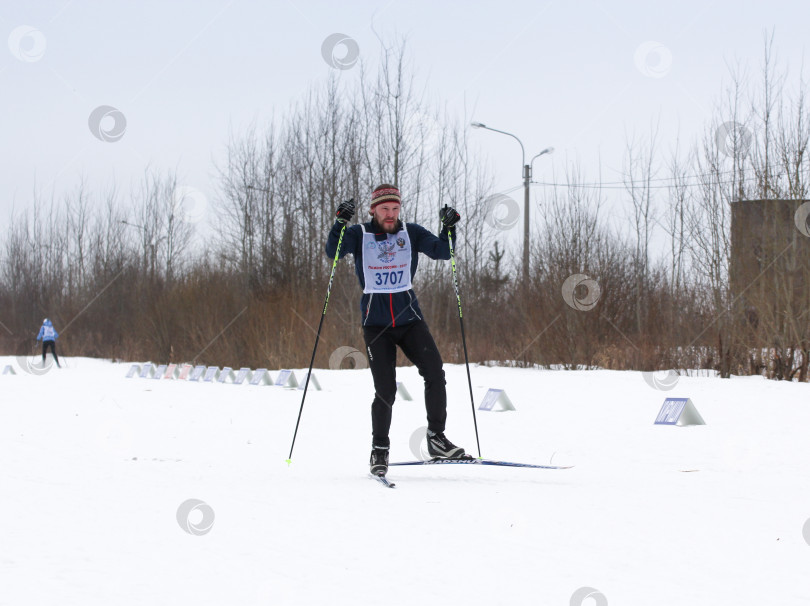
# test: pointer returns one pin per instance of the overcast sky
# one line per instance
(574, 75)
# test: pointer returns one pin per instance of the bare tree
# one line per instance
(639, 172)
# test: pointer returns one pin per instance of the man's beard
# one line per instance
(388, 228)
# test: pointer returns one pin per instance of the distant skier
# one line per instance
(48, 336)
(386, 253)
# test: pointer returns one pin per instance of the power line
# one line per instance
(643, 184)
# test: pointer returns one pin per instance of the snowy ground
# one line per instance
(94, 469)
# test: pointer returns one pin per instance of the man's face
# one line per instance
(387, 215)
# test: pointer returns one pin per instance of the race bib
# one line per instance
(387, 263)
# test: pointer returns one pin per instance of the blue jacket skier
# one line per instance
(48, 336)
(386, 255)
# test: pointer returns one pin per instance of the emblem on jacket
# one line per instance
(387, 253)
(401, 242)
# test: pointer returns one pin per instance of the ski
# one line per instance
(382, 480)
(471, 461)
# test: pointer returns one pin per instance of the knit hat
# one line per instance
(384, 193)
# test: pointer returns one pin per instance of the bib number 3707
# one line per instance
(388, 278)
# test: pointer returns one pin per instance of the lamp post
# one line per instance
(527, 178)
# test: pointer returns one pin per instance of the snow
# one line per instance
(94, 468)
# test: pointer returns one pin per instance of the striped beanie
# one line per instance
(384, 193)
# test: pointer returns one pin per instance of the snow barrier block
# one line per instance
(286, 378)
(226, 375)
(134, 371)
(197, 373)
(243, 375)
(160, 371)
(679, 411)
(261, 377)
(403, 392)
(313, 382)
(9, 370)
(496, 400)
(147, 371)
(184, 372)
(211, 374)
(171, 372)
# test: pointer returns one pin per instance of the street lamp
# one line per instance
(527, 178)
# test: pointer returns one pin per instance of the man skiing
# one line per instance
(48, 336)
(386, 254)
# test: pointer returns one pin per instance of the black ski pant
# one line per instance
(417, 344)
(52, 345)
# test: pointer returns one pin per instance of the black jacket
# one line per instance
(388, 309)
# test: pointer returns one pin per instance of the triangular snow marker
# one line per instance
(197, 373)
(261, 377)
(313, 382)
(242, 375)
(134, 371)
(226, 375)
(211, 374)
(497, 400)
(286, 378)
(680, 412)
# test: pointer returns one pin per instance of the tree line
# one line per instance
(128, 275)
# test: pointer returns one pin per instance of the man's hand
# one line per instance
(449, 216)
(345, 211)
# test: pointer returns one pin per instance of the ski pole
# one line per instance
(317, 338)
(64, 359)
(463, 339)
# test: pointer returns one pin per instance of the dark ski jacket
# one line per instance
(389, 309)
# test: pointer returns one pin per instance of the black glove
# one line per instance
(345, 211)
(449, 216)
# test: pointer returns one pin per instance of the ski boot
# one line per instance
(378, 464)
(439, 447)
